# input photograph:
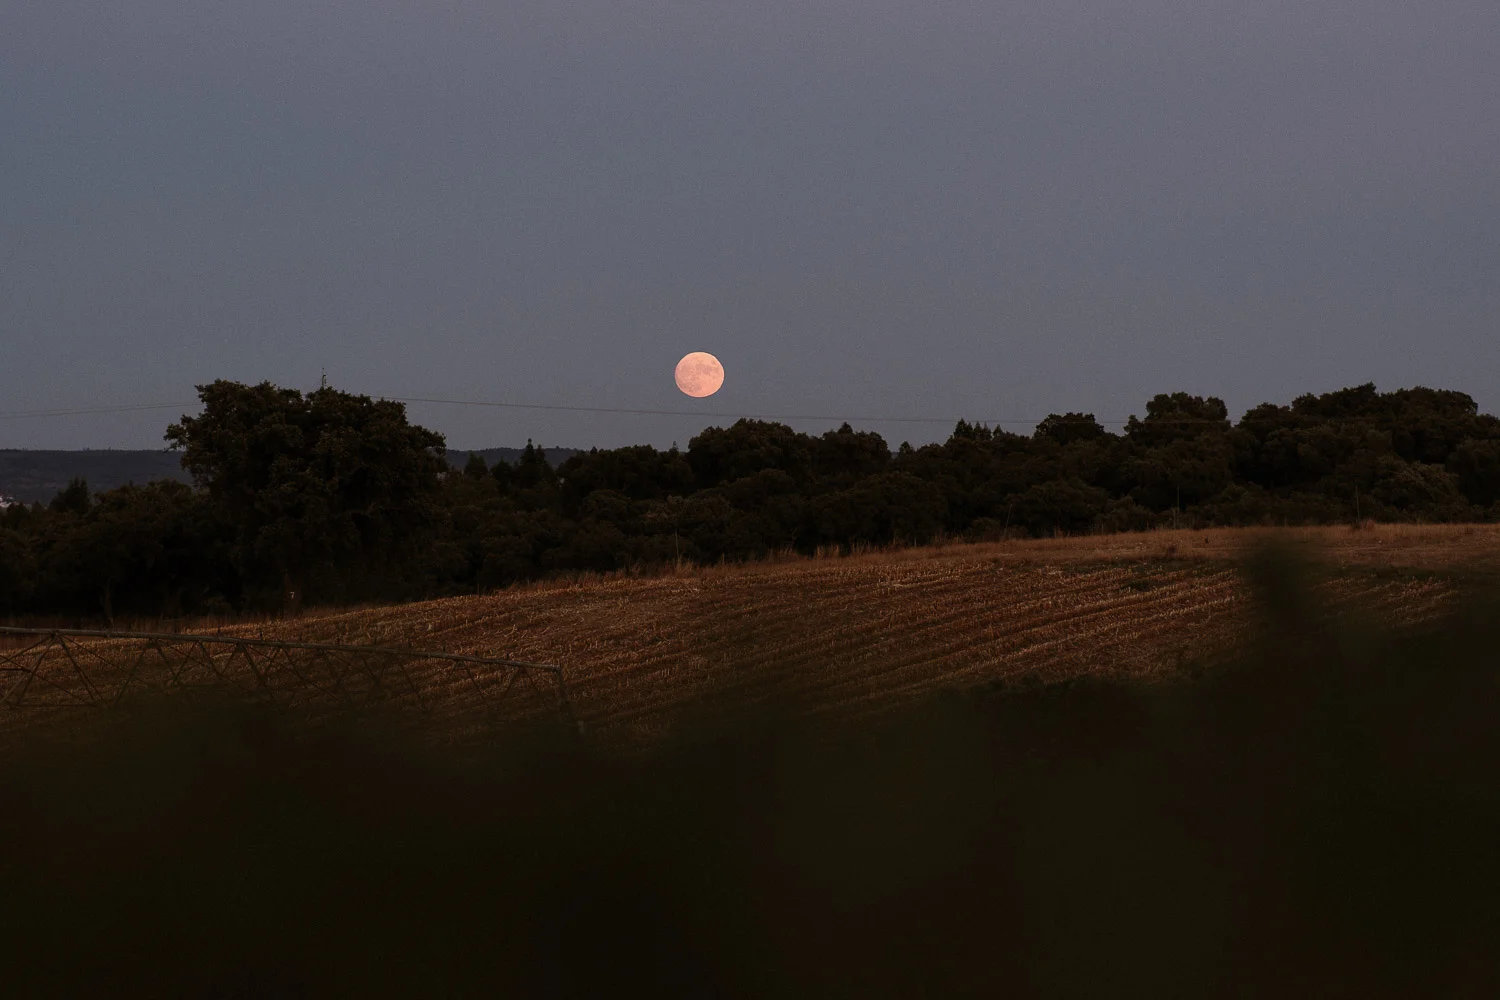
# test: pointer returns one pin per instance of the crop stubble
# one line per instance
(861, 634)
(864, 633)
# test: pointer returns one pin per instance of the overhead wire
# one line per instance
(79, 411)
(692, 413)
(567, 408)
(556, 407)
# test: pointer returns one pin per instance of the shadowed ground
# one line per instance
(1315, 815)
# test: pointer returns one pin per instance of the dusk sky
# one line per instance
(866, 209)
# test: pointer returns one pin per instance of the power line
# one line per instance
(28, 414)
(78, 411)
(693, 413)
(1025, 421)
(618, 410)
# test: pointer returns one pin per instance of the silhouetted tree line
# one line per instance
(333, 497)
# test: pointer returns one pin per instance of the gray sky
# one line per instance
(875, 208)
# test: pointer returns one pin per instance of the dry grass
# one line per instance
(864, 632)
(861, 633)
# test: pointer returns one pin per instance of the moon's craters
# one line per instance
(699, 374)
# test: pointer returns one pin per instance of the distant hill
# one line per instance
(38, 476)
(32, 476)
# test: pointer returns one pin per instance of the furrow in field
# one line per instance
(967, 660)
(908, 614)
(858, 635)
(836, 667)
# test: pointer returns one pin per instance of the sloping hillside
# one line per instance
(856, 634)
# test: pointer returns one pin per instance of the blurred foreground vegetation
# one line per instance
(1318, 816)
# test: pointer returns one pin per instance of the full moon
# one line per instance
(699, 374)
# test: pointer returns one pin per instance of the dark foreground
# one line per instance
(1319, 817)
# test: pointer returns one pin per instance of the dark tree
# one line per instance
(17, 570)
(533, 469)
(503, 473)
(327, 482)
(639, 472)
(1177, 417)
(74, 499)
(1060, 507)
(1070, 428)
(723, 454)
(847, 454)
(145, 544)
(1476, 464)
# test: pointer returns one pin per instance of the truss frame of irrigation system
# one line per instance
(322, 670)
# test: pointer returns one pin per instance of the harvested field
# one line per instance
(858, 634)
